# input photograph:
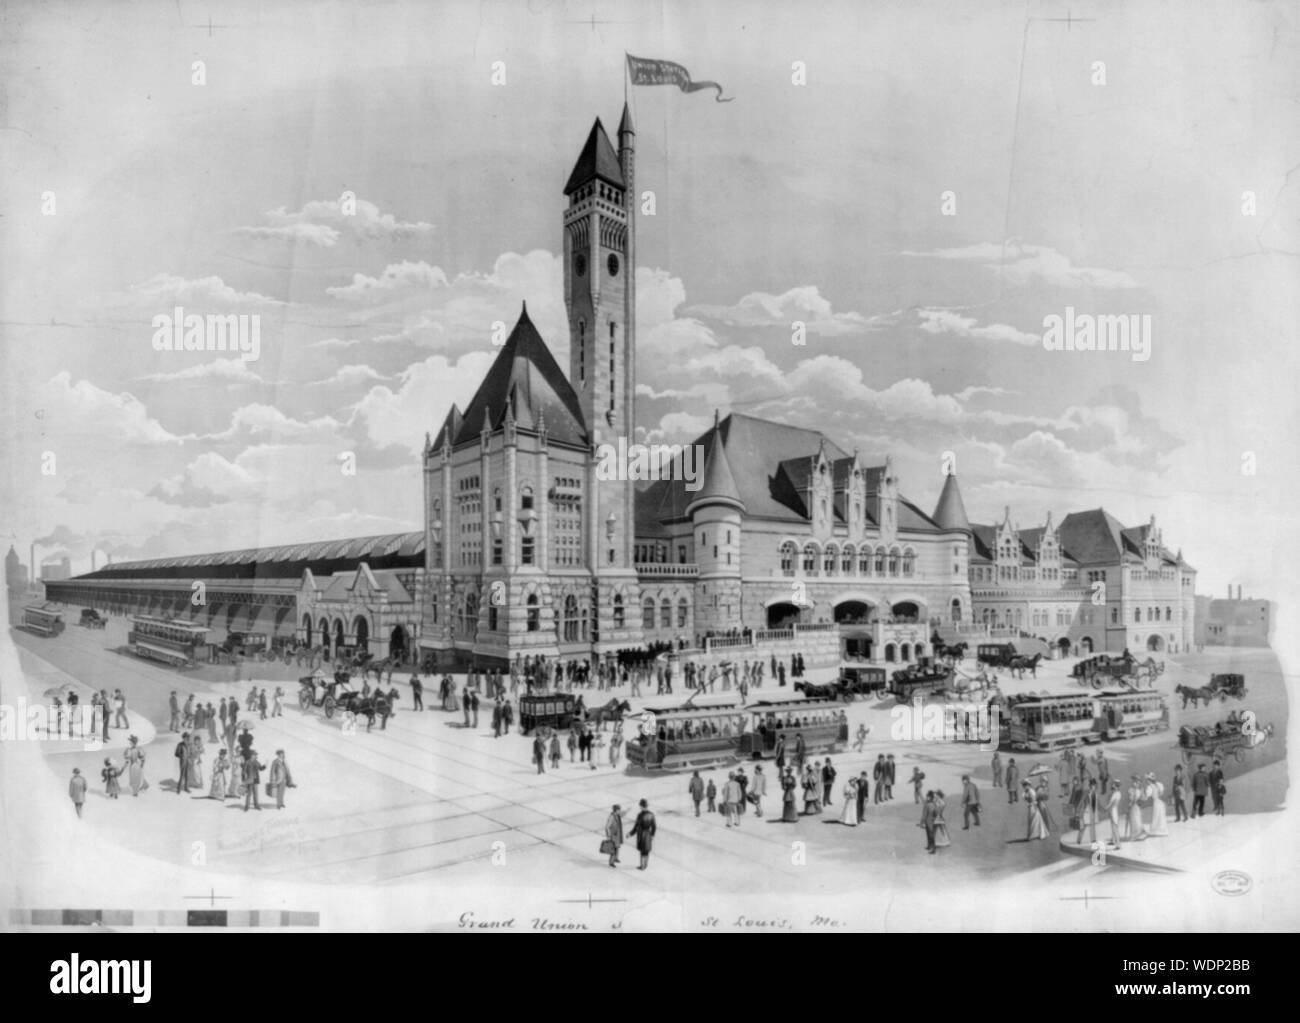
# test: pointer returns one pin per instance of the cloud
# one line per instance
(805, 304)
(422, 399)
(946, 321)
(351, 374)
(205, 292)
(230, 370)
(396, 279)
(1025, 264)
(321, 223)
(264, 423)
(94, 412)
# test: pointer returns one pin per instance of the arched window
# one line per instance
(880, 561)
(864, 560)
(787, 558)
(526, 499)
(1137, 614)
(665, 614)
(534, 613)
(893, 561)
(648, 613)
(496, 499)
(846, 560)
(683, 613)
(1169, 614)
(570, 618)
(828, 559)
(619, 616)
(810, 559)
(909, 562)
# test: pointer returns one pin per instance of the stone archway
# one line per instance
(890, 653)
(1085, 646)
(906, 609)
(340, 638)
(306, 629)
(397, 644)
(361, 633)
(783, 615)
(850, 612)
(1155, 643)
(1063, 645)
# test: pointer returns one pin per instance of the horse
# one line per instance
(611, 711)
(956, 652)
(1195, 694)
(1020, 664)
(379, 703)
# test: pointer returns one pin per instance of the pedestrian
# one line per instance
(929, 814)
(644, 830)
(941, 839)
(890, 776)
(1134, 830)
(220, 776)
(696, 789)
(811, 791)
(742, 779)
(1037, 824)
(573, 741)
(252, 776)
(1200, 789)
(731, 797)
(828, 782)
(1013, 781)
(1112, 812)
(1180, 794)
(757, 790)
(277, 706)
(789, 785)
(119, 706)
(711, 793)
(466, 705)
(279, 779)
(1154, 793)
(1065, 771)
(225, 715)
(77, 789)
(417, 692)
(863, 792)
(103, 710)
(1217, 788)
(614, 834)
(861, 739)
(187, 713)
(1103, 768)
(196, 760)
(918, 776)
(110, 775)
(878, 776)
(997, 770)
(183, 749)
(1087, 813)
(615, 745)
(800, 752)
(970, 803)
(211, 718)
(473, 700)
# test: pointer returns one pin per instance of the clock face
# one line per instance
(612, 264)
(580, 264)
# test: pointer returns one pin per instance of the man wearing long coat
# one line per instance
(644, 830)
(614, 833)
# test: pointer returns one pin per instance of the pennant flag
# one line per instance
(665, 72)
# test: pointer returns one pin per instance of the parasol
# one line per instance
(59, 691)
(1040, 769)
(246, 723)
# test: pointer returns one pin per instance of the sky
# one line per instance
(920, 184)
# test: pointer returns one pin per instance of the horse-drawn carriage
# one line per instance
(92, 619)
(1220, 688)
(995, 655)
(1231, 738)
(870, 682)
(924, 678)
(1125, 670)
(315, 691)
(546, 710)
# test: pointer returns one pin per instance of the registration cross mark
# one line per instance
(591, 902)
(212, 897)
(1087, 898)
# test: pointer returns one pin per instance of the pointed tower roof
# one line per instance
(450, 427)
(525, 380)
(950, 512)
(719, 484)
(597, 160)
(625, 122)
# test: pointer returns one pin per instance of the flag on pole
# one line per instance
(664, 72)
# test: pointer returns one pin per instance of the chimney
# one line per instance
(35, 575)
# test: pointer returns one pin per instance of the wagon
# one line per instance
(1228, 684)
(314, 691)
(92, 619)
(1226, 739)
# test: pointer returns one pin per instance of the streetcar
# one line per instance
(1050, 721)
(823, 724)
(172, 641)
(1124, 714)
(43, 619)
(688, 738)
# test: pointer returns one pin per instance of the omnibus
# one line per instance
(1049, 721)
(43, 619)
(172, 641)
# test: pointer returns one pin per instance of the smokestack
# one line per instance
(35, 577)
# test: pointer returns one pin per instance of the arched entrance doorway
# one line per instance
(905, 652)
(954, 610)
(397, 649)
(906, 610)
(323, 632)
(852, 612)
(891, 654)
(1063, 644)
(306, 629)
(783, 615)
(1156, 643)
(1085, 646)
(339, 638)
(361, 629)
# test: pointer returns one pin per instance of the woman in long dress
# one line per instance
(849, 815)
(941, 839)
(196, 760)
(1037, 826)
(1133, 826)
(220, 769)
(110, 775)
(811, 802)
(235, 788)
(135, 767)
(1112, 812)
(789, 810)
(1155, 792)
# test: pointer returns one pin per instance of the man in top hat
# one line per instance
(614, 833)
(279, 778)
(183, 751)
(252, 776)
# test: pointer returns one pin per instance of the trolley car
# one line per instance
(1045, 722)
(688, 738)
(43, 619)
(1123, 715)
(172, 641)
(823, 724)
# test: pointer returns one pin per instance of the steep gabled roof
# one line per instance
(597, 160)
(526, 381)
(950, 512)
(1092, 537)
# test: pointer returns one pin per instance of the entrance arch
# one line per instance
(397, 648)
(306, 629)
(1155, 642)
(323, 631)
(890, 653)
(905, 653)
(906, 609)
(783, 615)
(852, 612)
(955, 610)
(361, 629)
(1085, 646)
(339, 638)
(1063, 644)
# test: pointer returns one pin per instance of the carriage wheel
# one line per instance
(1095, 681)
(329, 706)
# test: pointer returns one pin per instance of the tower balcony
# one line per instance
(660, 570)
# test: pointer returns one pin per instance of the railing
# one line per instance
(817, 627)
(665, 568)
(773, 635)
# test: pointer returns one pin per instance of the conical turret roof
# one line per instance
(719, 485)
(597, 160)
(950, 512)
